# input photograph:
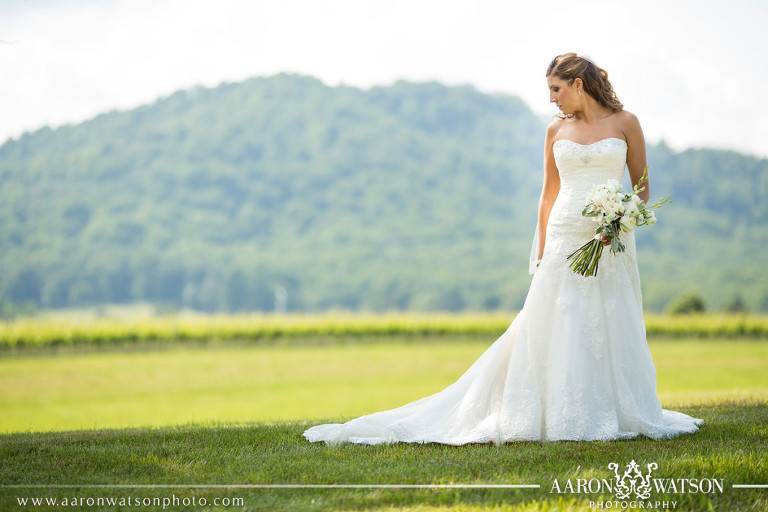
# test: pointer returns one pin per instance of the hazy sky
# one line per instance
(692, 71)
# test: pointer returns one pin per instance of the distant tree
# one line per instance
(26, 286)
(763, 304)
(75, 218)
(237, 291)
(6, 309)
(9, 310)
(691, 302)
(736, 305)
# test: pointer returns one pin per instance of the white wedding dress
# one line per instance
(573, 365)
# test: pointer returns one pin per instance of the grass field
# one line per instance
(730, 446)
(234, 414)
(118, 389)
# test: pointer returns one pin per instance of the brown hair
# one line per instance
(570, 66)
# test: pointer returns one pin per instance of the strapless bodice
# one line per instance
(583, 165)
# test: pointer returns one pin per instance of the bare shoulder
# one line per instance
(629, 123)
(636, 156)
(553, 128)
(626, 116)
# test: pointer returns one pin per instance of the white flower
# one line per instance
(650, 218)
(612, 209)
(600, 196)
(628, 223)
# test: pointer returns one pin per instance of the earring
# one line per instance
(579, 93)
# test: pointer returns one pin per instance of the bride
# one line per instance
(574, 364)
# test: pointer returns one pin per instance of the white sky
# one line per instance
(692, 71)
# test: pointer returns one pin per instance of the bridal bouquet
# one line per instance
(614, 211)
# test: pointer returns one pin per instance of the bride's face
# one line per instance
(563, 95)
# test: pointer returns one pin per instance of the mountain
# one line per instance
(410, 196)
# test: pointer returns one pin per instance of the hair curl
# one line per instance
(570, 66)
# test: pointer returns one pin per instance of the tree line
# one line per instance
(282, 192)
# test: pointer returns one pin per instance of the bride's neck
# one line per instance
(591, 111)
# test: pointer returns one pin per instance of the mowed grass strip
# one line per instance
(730, 446)
(272, 383)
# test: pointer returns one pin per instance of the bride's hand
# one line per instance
(605, 239)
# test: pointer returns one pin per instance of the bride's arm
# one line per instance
(551, 186)
(636, 159)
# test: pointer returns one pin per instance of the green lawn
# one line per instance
(287, 382)
(234, 414)
(730, 446)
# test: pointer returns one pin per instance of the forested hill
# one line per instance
(410, 196)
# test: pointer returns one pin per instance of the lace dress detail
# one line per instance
(573, 365)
